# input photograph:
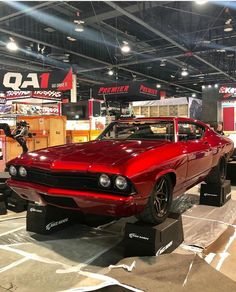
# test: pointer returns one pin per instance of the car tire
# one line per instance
(159, 202)
(218, 173)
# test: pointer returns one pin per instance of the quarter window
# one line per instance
(190, 131)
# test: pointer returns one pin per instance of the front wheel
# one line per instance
(159, 202)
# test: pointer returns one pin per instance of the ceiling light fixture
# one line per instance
(158, 86)
(216, 85)
(71, 39)
(163, 63)
(79, 25)
(172, 76)
(228, 27)
(209, 86)
(125, 48)
(201, 2)
(203, 86)
(12, 45)
(110, 72)
(184, 72)
(194, 95)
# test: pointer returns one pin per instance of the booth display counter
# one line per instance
(47, 130)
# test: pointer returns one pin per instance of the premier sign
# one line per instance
(113, 89)
(126, 91)
(54, 80)
(148, 90)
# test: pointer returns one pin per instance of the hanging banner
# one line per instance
(126, 91)
(21, 81)
(14, 95)
(227, 91)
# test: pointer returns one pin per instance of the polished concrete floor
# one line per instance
(68, 258)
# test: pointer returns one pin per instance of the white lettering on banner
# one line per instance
(56, 223)
(32, 82)
(225, 89)
(134, 235)
(164, 248)
(47, 93)
(12, 80)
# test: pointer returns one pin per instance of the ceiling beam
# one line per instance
(115, 13)
(92, 59)
(25, 11)
(164, 36)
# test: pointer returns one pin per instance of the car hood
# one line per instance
(96, 155)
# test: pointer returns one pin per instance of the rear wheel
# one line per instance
(218, 173)
(159, 202)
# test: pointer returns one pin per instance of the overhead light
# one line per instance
(201, 2)
(209, 86)
(221, 50)
(203, 86)
(163, 63)
(172, 76)
(110, 72)
(71, 39)
(228, 26)
(184, 72)
(194, 95)
(66, 60)
(79, 25)
(216, 85)
(12, 45)
(49, 29)
(195, 84)
(125, 48)
(158, 86)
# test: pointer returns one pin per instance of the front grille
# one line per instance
(60, 201)
(70, 181)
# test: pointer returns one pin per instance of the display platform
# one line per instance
(79, 256)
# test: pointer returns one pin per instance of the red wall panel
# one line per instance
(228, 118)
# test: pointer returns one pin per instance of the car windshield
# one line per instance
(158, 130)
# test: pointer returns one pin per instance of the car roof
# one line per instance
(180, 119)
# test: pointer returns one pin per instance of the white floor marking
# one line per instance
(12, 231)
(225, 254)
(13, 265)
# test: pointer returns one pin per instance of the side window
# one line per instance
(190, 131)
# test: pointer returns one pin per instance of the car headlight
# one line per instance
(104, 180)
(22, 171)
(12, 170)
(121, 182)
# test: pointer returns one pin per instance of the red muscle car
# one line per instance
(135, 167)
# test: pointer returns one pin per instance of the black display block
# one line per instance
(214, 194)
(3, 208)
(48, 219)
(15, 203)
(148, 240)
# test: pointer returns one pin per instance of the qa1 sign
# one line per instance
(54, 80)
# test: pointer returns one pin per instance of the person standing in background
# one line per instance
(219, 128)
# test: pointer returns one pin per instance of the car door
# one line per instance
(197, 149)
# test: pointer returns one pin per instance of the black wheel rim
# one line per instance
(222, 169)
(161, 197)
